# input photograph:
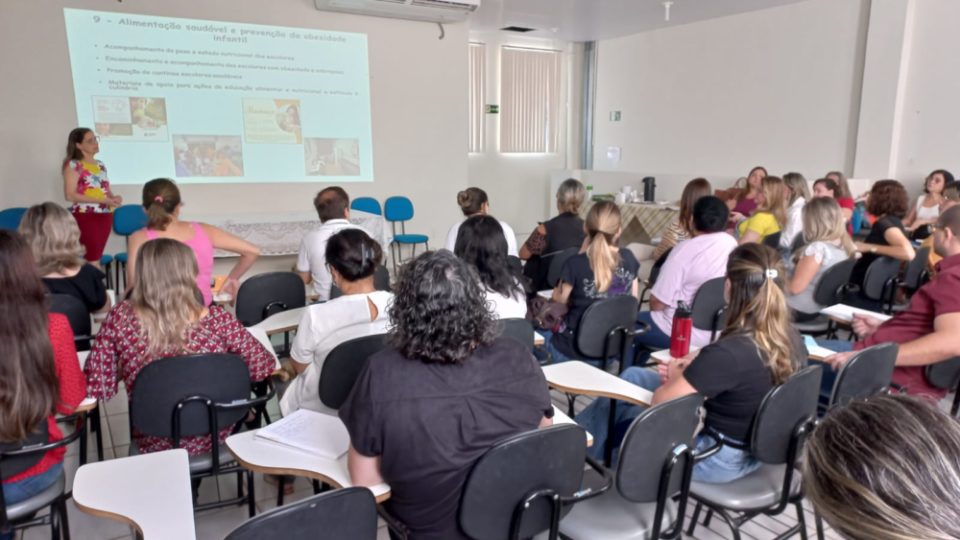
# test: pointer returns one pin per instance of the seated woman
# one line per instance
(798, 195)
(757, 350)
(825, 243)
(602, 270)
(682, 228)
(927, 209)
(842, 193)
(557, 234)
(771, 214)
(165, 316)
(481, 244)
(745, 203)
(899, 479)
(474, 202)
(161, 199)
(423, 411)
(888, 201)
(54, 237)
(353, 258)
(38, 364)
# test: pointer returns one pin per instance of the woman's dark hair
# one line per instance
(28, 378)
(353, 254)
(710, 215)
(161, 196)
(471, 200)
(439, 311)
(947, 178)
(73, 139)
(695, 190)
(888, 198)
(480, 242)
(831, 185)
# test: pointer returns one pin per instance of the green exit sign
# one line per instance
(493, 109)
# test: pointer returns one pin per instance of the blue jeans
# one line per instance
(551, 352)
(653, 339)
(22, 490)
(725, 466)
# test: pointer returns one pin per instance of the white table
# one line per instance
(560, 417)
(150, 492)
(285, 321)
(576, 377)
(261, 335)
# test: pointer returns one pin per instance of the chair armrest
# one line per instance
(250, 402)
(589, 493)
(78, 429)
(699, 455)
(394, 524)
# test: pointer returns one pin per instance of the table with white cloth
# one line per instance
(641, 222)
(281, 234)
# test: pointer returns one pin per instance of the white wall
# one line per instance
(418, 106)
(778, 87)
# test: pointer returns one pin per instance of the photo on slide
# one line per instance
(332, 157)
(134, 118)
(272, 121)
(207, 155)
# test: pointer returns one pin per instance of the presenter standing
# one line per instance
(85, 184)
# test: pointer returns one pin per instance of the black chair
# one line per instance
(197, 395)
(343, 513)
(797, 243)
(829, 291)
(773, 240)
(557, 260)
(267, 294)
(518, 329)
(606, 330)
(879, 283)
(708, 311)
(654, 274)
(916, 274)
(16, 458)
(381, 282)
(652, 478)
(865, 374)
(780, 428)
(344, 364)
(523, 485)
(946, 376)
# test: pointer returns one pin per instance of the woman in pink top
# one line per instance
(161, 199)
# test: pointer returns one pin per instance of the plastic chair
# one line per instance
(879, 283)
(916, 273)
(557, 260)
(518, 329)
(709, 305)
(194, 395)
(772, 240)
(127, 219)
(16, 458)
(946, 376)
(652, 478)
(781, 426)
(381, 282)
(267, 294)
(366, 204)
(10, 218)
(829, 291)
(797, 243)
(344, 364)
(400, 210)
(343, 513)
(866, 374)
(524, 484)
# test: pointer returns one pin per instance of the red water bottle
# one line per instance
(682, 327)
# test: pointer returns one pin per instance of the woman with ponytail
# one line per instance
(361, 311)
(161, 200)
(756, 351)
(600, 270)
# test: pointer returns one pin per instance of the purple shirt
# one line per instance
(691, 263)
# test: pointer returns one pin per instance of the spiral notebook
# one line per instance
(316, 433)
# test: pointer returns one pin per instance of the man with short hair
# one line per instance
(690, 264)
(927, 330)
(333, 207)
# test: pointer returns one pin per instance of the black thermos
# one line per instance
(649, 189)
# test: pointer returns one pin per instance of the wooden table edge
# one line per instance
(113, 516)
(594, 393)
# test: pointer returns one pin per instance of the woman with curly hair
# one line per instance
(424, 410)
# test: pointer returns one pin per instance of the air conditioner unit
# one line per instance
(441, 11)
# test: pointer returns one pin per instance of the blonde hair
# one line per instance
(54, 238)
(797, 185)
(570, 195)
(603, 229)
(758, 306)
(886, 468)
(823, 222)
(775, 198)
(165, 296)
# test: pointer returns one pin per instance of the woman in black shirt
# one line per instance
(54, 238)
(550, 237)
(756, 351)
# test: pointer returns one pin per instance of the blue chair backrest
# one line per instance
(129, 219)
(366, 204)
(398, 209)
(10, 218)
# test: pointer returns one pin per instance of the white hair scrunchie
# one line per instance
(772, 273)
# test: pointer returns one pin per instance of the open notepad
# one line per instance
(310, 431)
(843, 312)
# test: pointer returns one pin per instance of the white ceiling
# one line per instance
(589, 20)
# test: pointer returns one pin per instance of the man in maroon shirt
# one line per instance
(927, 331)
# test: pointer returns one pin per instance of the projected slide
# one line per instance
(211, 101)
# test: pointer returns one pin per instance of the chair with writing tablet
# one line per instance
(880, 281)
(366, 204)
(518, 329)
(349, 513)
(381, 282)
(708, 311)
(773, 240)
(197, 395)
(829, 291)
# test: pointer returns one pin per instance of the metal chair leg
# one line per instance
(64, 520)
(801, 520)
(694, 518)
(818, 521)
(251, 500)
(708, 518)
(281, 481)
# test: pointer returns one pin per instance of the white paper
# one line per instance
(310, 431)
(845, 313)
